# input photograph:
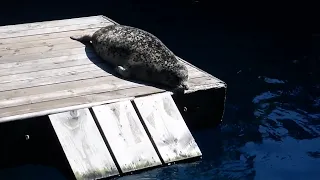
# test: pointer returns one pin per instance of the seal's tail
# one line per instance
(82, 38)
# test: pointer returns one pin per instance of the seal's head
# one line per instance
(177, 76)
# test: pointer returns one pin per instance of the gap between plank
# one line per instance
(105, 140)
(147, 131)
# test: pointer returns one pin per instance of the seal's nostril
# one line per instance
(185, 86)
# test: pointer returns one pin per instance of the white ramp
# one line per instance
(167, 127)
(126, 136)
(83, 145)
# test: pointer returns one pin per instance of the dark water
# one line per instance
(268, 58)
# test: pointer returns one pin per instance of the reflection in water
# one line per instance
(291, 139)
(273, 81)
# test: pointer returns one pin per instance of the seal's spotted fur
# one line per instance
(138, 54)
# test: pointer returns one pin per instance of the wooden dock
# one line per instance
(45, 73)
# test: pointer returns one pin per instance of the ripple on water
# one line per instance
(264, 96)
(290, 148)
(272, 80)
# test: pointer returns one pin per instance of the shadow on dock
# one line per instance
(104, 65)
(200, 109)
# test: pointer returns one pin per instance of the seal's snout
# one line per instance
(181, 88)
(185, 86)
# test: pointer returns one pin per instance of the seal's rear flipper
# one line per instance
(82, 38)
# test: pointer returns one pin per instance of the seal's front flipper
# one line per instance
(122, 71)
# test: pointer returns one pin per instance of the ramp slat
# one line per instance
(167, 127)
(83, 145)
(126, 136)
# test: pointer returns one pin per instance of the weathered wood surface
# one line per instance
(83, 145)
(101, 83)
(54, 29)
(43, 71)
(126, 136)
(86, 100)
(34, 40)
(51, 76)
(39, 56)
(46, 64)
(167, 127)
(52, 23)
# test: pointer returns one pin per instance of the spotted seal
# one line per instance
(138, 54)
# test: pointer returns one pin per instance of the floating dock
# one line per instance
(106, 125)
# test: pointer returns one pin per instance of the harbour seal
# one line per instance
(138, 54)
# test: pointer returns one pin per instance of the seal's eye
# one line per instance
(171, 79)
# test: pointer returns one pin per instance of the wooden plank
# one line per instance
(33, 38)
(52, 80)
(108, 84)
(42, 49)
(47, 63)
(65, 90)
(199, 69)
(83, 83)
(108, 19)
(51, 23)
(54, 76)
(22, 46)
(31, 32)
(50, 54)
(167, 127)
(126, 136)
(51, 73)
(83, 145)
(49, 66)
(216, 83)
(59, 105)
